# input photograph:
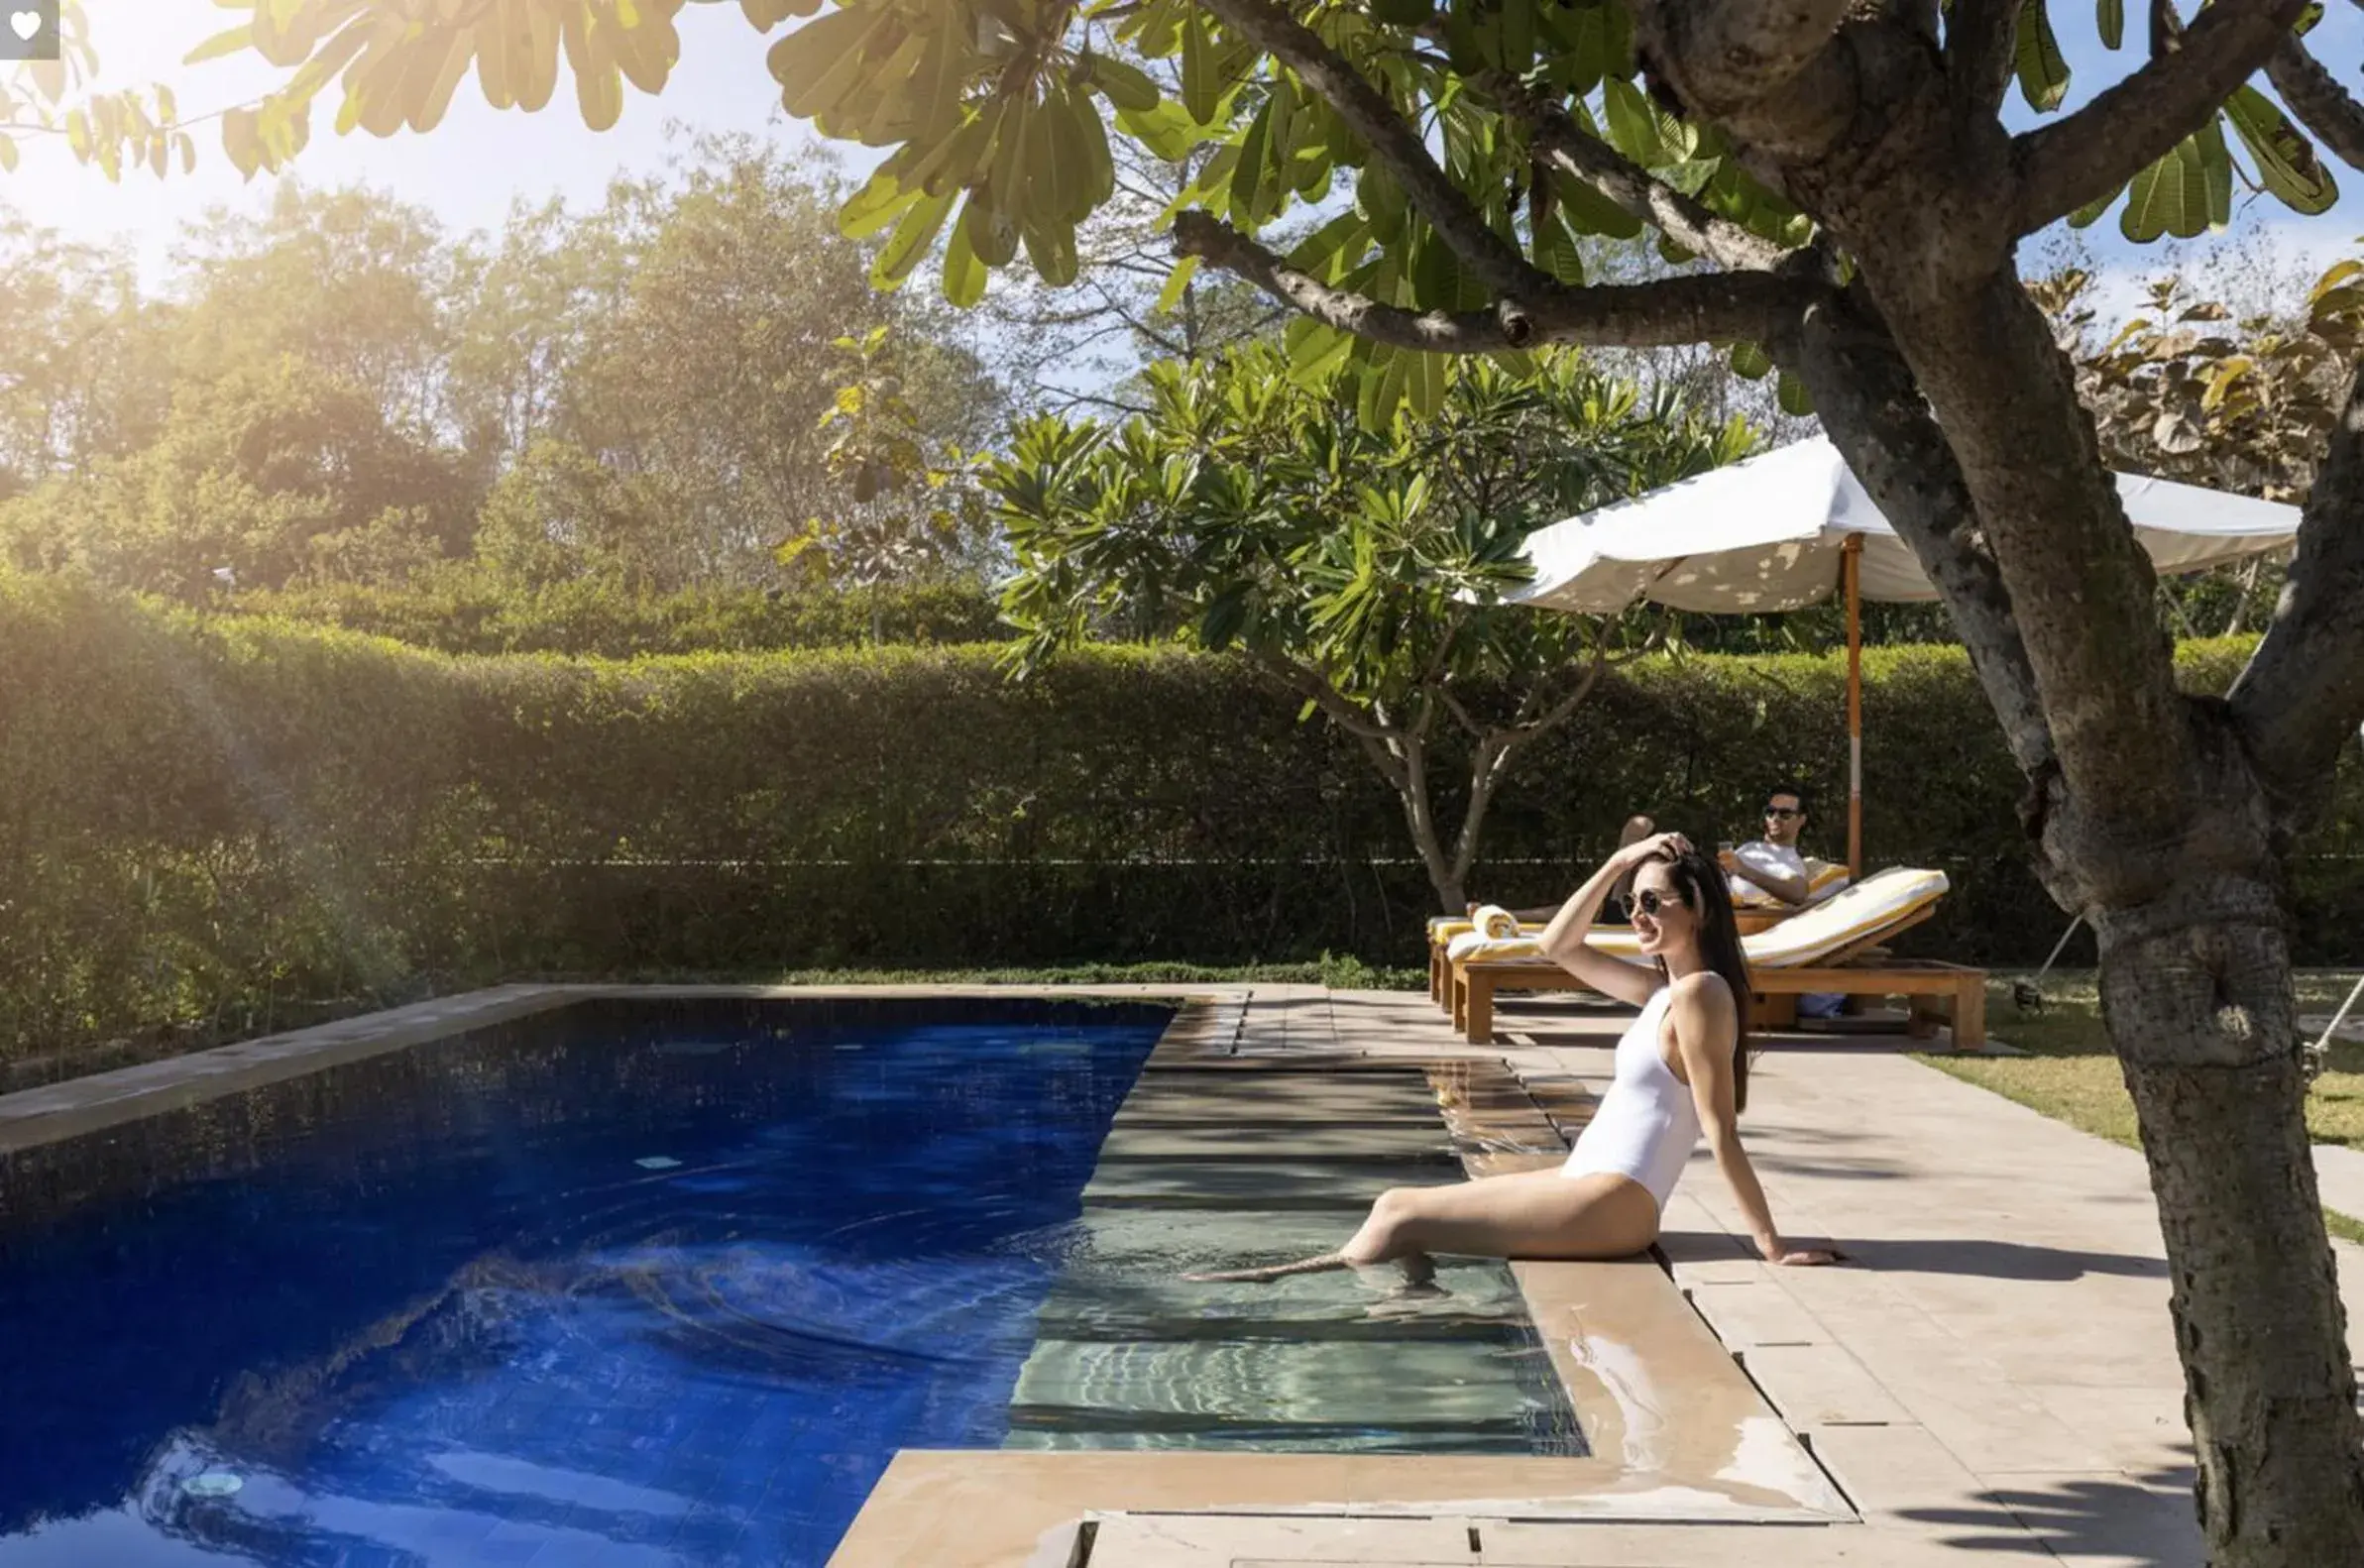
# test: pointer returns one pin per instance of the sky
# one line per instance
(472, 168)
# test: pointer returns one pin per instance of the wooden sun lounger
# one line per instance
(1862, 969)
(1750, 918)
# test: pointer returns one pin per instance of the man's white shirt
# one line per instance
(1777, 860)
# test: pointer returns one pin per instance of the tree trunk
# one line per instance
(2153, 821)
(1446, 876)
(2201, 1014)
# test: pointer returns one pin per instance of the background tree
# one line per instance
(84, 376)
(1359, 567)
(1129, 306)
(2206, 391)
(336, 390)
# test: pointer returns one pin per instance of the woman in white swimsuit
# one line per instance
(1682, 1068)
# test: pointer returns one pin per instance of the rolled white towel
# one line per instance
(1494, 923)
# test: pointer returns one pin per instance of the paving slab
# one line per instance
(2339, 1176)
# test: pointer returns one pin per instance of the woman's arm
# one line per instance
(1705, 1024)
(1563, 942)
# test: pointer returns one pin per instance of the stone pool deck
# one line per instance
(1993, 1381)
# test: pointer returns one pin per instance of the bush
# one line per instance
(465, 610)
(217, 825)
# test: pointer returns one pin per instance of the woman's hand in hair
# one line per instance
(1658, 847)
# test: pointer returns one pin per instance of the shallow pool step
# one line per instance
(1213, 1142)
(1268, 1187)
(1266, 1394)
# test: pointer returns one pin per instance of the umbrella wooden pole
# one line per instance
(1850, 569)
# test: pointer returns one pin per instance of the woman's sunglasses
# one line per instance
(1649, 901)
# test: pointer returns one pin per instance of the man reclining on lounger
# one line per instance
(1764, 870)
(1770, 869)
(1771, 865)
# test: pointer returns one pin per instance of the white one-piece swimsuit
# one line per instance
(1648, 1123)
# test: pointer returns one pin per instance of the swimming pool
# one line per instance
(631, 1284)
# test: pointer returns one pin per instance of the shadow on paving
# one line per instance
(1986, 1260)
(2144, 1519)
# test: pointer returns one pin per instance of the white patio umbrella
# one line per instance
(1794, 526)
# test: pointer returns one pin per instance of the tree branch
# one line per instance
(2316, 97)
(1462, 715)
(1686, 221)
(2303, 694)
(1875, 416)
(1309, 684)
(1560, 711)
(1701, 308)
(2132, 125)
(1981, 45)
(1732, 52)
(1394, 141)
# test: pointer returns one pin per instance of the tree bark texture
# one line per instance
(2203, 1015)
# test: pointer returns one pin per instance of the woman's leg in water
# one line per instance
(1534, 1214)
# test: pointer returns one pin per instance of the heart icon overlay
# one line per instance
(32, 30)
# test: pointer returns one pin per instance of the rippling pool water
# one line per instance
(669, 1283)
(615, 1287)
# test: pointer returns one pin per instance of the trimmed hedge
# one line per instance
(467, 612)
(230, 824)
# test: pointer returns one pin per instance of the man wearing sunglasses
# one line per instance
(1771, 865)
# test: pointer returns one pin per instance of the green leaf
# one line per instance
(874, 206)
(1170, 296)
(1315, 348)
(910, 241)
(1248, 176)
(2215, 168)
(2169, 198)
(1425, 385)
(1633, 127)
(2287, 163)
(221, 44)
(1052, 249)
(1586, 211)
(1557, 250)
(1383, 386)
(1750, 361)
(1791, 393)
(991, 232)
(2043, 71)
(964, 273)
(1381, 201)
(1202, 77)
(2093, 209)
(1123, 84)
(1166, 129)
(765, 15)
(1054, 171)
(820, 61)
(8, 155)
(2111, 15)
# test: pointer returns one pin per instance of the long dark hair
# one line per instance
(1700, 884)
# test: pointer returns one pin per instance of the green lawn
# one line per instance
(2072, 1074)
